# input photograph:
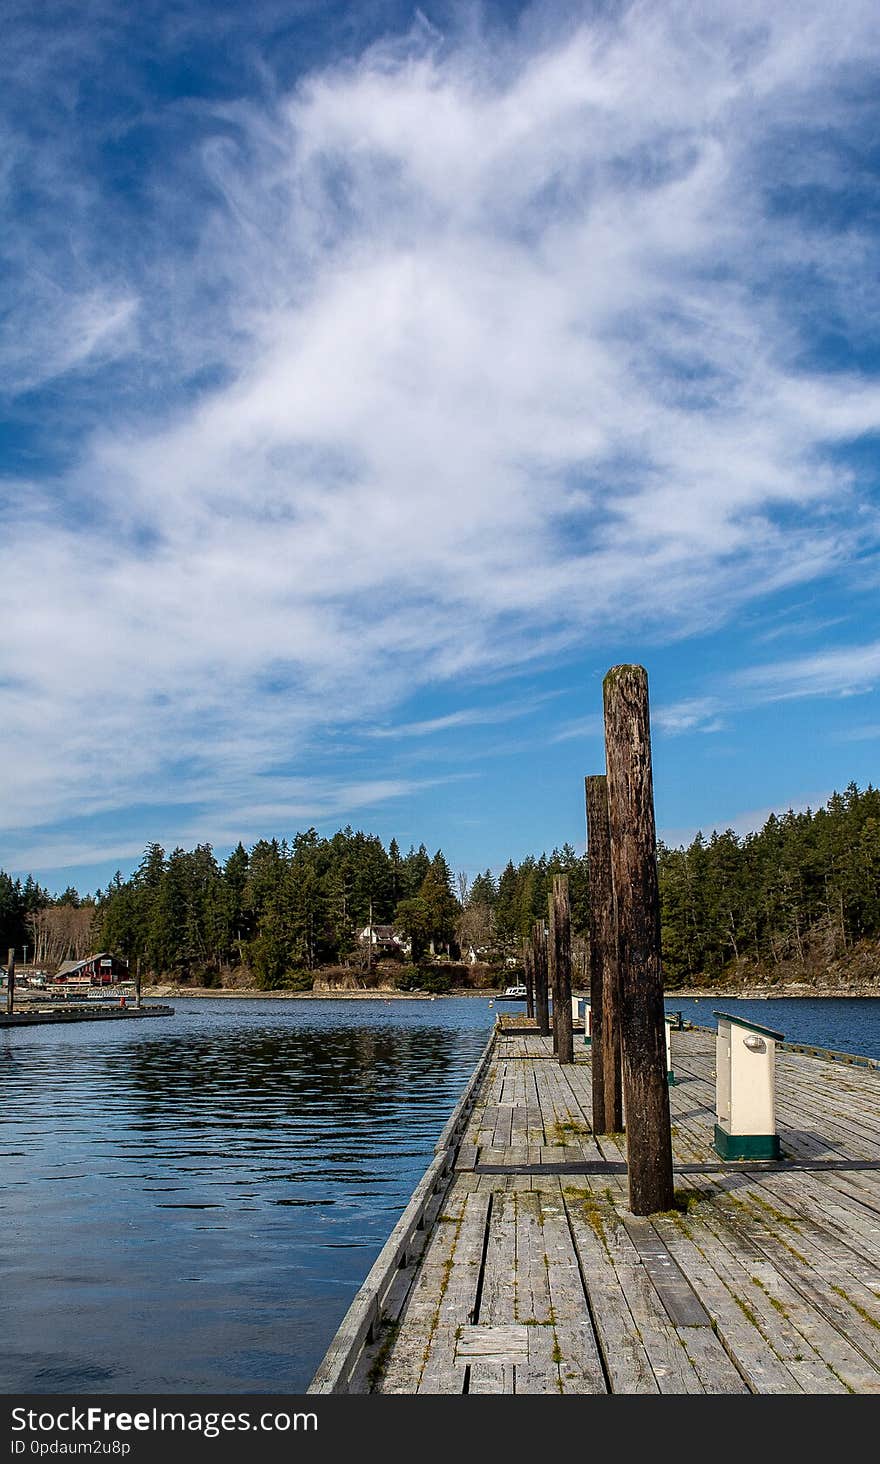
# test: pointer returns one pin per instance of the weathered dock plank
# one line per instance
(764, 1278)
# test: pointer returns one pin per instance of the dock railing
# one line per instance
(379, 1302)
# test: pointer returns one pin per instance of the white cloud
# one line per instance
(66, 333)
(486, 716)
(699, 714)
(586, 727)
(869, 732)
(507, 356)
(841, 671)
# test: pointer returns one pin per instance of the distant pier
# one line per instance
(518, 1268)
(48, 1017)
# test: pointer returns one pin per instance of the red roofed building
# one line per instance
(102, 969)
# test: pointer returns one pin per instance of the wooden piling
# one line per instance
(559, 949)
(637, 905)
(607, 1080)
(529, 974)
(539, 969)
(551, 976)
(10, 982)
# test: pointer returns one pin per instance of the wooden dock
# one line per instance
(47, 1017)
(517, 1267)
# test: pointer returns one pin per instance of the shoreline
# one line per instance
(227, 993)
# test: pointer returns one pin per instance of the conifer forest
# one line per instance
(803, 889)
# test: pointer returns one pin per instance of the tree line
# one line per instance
(805, 887)
(805, 882)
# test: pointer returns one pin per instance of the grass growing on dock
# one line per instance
(751, 1318)
(567, 1129)
(773, 1300)
(755, 1207)
(850, 1301)
(686, 1200)
(377, 1368)
(592, 1209)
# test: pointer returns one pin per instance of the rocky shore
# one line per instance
(390, 993)
(249, 993)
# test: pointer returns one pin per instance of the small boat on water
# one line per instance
(512, 993)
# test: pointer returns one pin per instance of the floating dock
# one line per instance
(48, 1017)
(517, 1267)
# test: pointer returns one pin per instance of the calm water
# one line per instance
(851, 1024)
(190, 1203)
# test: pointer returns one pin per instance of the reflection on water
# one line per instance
(189, 1205)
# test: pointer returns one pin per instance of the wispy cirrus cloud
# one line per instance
(699, 714)
(482, 716)
(223, 819)
(66, 334)
(839, 671)
(401, 372)
(581, 727)
(695, 714)
(869, 732)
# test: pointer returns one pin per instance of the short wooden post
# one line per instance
(637, 906)
(529, 974)
(10, 982)
(539, 967)
(605, 1051)
(559, 947)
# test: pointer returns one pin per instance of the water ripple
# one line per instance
(191, 1204)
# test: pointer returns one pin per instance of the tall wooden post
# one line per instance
(529, 972)
(10, 982)
(607, 1090)
(559, 946)
(539, 966)
(637, 904)
(551, 975)
(137, 982)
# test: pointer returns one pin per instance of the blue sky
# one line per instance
(373, 378)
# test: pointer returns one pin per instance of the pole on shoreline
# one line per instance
(539, 968)
(559, 948)
(10, 982)
(137, 982)
(607, 1081)
(637, 905)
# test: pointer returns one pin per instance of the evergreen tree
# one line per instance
(429, 918)
(234, 884)
(483, 890)
(768, 898)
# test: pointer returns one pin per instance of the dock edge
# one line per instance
(380, 1300)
